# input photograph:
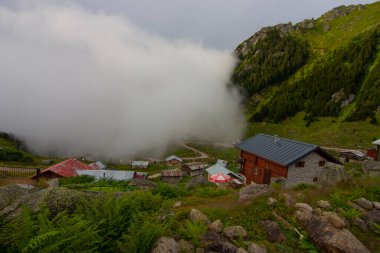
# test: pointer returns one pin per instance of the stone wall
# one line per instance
(306, 174)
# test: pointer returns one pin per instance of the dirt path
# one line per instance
(201, 154)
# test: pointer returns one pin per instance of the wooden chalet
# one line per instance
(171, 176)
(265, 157)
(193, 169)
(67, 168)
(173, 160)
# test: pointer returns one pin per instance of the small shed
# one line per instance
(118, 175)
(193, 169)
(352, 155)
(171, 176)
(140, 164)
(173, 160)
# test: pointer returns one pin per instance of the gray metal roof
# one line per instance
(108, 174)
(173, 157)
(377, 142)
(279, 150)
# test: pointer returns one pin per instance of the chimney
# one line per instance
(275, 138)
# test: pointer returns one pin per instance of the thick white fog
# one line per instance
(75, 82)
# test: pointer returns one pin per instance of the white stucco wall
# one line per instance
(298, 175)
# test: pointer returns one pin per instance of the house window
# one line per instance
(256, 171)
(322, 163)
(300, 164)
(315, 179)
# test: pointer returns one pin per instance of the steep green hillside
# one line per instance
(11, 149)
(320, 67)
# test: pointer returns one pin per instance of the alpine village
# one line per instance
(304, 178)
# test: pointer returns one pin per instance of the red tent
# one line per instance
(220, 178)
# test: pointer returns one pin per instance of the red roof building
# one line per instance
(66, 168)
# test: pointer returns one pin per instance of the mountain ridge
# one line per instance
(324, 67)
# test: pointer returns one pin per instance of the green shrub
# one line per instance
(350, 213)
(192, 231)
(168, 191)
(304, 186)
(210, 192)
(83, 179)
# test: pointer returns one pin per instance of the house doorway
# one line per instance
(267, 175)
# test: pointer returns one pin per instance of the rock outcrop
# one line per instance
(327, 237)
(216, 226)
(332, 174)
(252, 191)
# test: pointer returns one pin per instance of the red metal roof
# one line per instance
(67, 168)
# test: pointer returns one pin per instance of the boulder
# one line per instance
(317, 211)
(186, 246)
(323, 204)
(303, 207)
(241, 250)
(326, 237)
(253, 191)
(364, 203)
(376, 205)
(271, 201)
(216, 226)
(213, 241)
(336, 221)
(254, 248)
(332, 174)
(177, 204)
(199, 217)
(235, 233)
(360, 223)
(166, 245)
(273, 231)
(288, 199)
(372, 168)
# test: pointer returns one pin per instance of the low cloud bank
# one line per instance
(75, 82)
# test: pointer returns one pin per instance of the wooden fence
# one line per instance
(8, 172)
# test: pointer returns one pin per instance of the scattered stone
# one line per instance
(303, 207)
(252, 191)
(200, 250)
(235, 233)
(300, 196)
(323, 204)
(218, 243)
(177, 204)
(288, 199)
(271, 201)
(357, 207)
(332, 174)
(198, 216)
(241, 250)
(166, 245)
(186, 246)
(336, 221)
(327, 237)
(376, 205)
(372, 168)
(360, 223)
(364, 203)
(216, 226)
(373, 216)
(254, 248)
(273, 231)
(317, 211)
(326, 213)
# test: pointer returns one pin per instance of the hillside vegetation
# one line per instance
(320, 67)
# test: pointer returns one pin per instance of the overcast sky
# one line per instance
(215, 23)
